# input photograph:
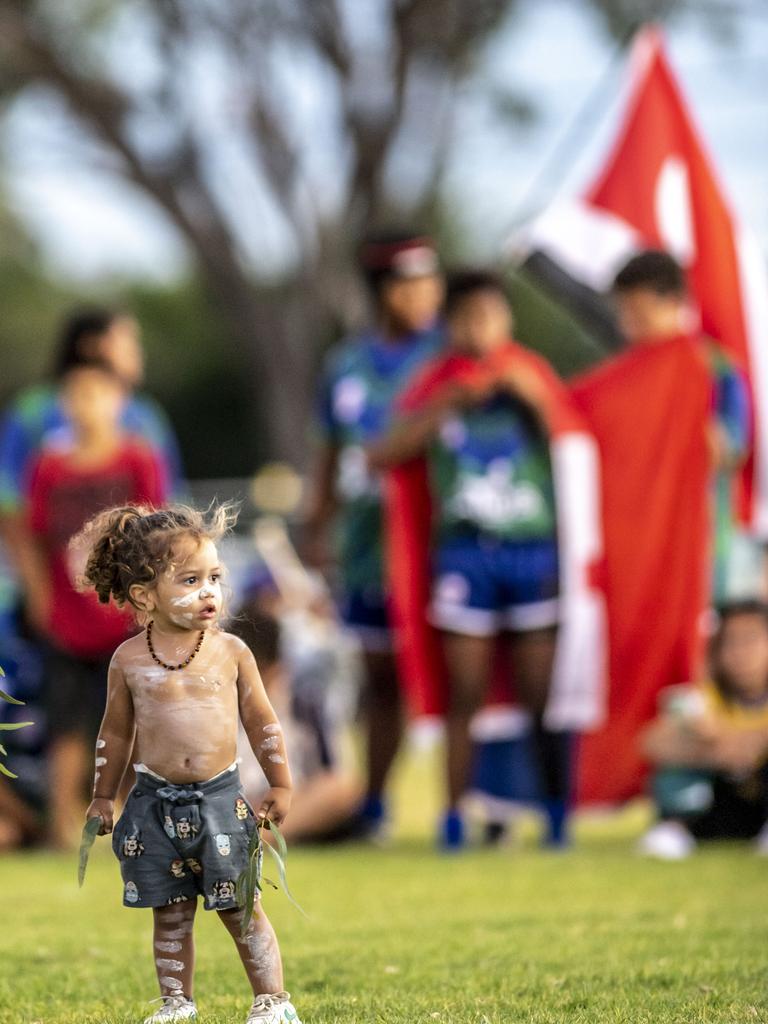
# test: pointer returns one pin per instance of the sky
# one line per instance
(90, 226)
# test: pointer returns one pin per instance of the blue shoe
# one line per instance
(452, 832)
(557, 836)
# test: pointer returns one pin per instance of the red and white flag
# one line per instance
(659, 189)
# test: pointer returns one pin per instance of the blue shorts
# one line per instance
(365, 612)
(484, 586)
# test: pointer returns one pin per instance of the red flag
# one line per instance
(660, 181)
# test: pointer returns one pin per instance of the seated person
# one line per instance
(709, 745)
(297, 652)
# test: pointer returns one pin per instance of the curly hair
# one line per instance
(133, 544)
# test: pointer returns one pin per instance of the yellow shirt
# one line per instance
(730, 712)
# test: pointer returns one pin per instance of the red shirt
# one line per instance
(62, 497)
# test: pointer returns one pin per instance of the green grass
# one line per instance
(406, 936)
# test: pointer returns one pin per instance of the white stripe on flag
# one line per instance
(579, 683)
(754, 296)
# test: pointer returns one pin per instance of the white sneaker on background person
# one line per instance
(273, 1009)
(668, 840)
(761, 841)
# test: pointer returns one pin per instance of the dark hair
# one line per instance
(134, 544)
(95, 363)
(463, 283)
(725, 613)
(378, 251)
(80, 327)
(653, 269)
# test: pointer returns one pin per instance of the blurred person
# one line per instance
(651, 301)
(301, 658)
(90, 468)
(709, 745)
(358, 389)
(671, 417)
(482, 416)
(37, 413)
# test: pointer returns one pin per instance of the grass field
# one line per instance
(406, 936)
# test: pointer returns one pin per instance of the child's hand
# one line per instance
(275, 804)
(104, 809)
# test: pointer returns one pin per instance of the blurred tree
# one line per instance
(271, 133)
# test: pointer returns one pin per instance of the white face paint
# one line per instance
(208, 591)
(100, 744)
(100, 761)
(277, 759)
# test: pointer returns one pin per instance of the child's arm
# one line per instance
(113, 748)
(265, 736)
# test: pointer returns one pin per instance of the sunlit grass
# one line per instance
(407, 935)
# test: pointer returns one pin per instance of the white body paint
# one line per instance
(271, 743)
(170, 982)
(273, 728)
(168, 947)
(100, 744)
(100, 761)
(277, 759)
(170, 965)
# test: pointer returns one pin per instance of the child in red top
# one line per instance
(98, 468)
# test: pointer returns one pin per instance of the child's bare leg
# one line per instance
(468, 662)
(258, 950)
(174, 948)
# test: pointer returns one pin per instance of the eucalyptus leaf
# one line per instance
(90, 831)
(7, 697)
(281, 874)
(9, 726)
(7, 772)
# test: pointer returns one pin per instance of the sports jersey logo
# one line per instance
(349, 397)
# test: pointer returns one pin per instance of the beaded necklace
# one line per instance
(172, 668)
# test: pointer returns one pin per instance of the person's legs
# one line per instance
(258, 949)
(383, 724)
(320, 805)
(530, 574)
(468, 662)
(67, 765)
(174, 948)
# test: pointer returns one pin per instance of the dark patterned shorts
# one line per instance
(178, 842)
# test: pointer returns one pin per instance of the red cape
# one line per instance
(577, 692)
(648, 410)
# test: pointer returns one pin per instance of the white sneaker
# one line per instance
(669, 840)
(173, 1008)
(273, 1009)
(761, 842)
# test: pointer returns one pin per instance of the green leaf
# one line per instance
(90, 831)
(3, 751)
(9, 726)
(7, 697)
(249, 880)
(7, 772)
(283, 881)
